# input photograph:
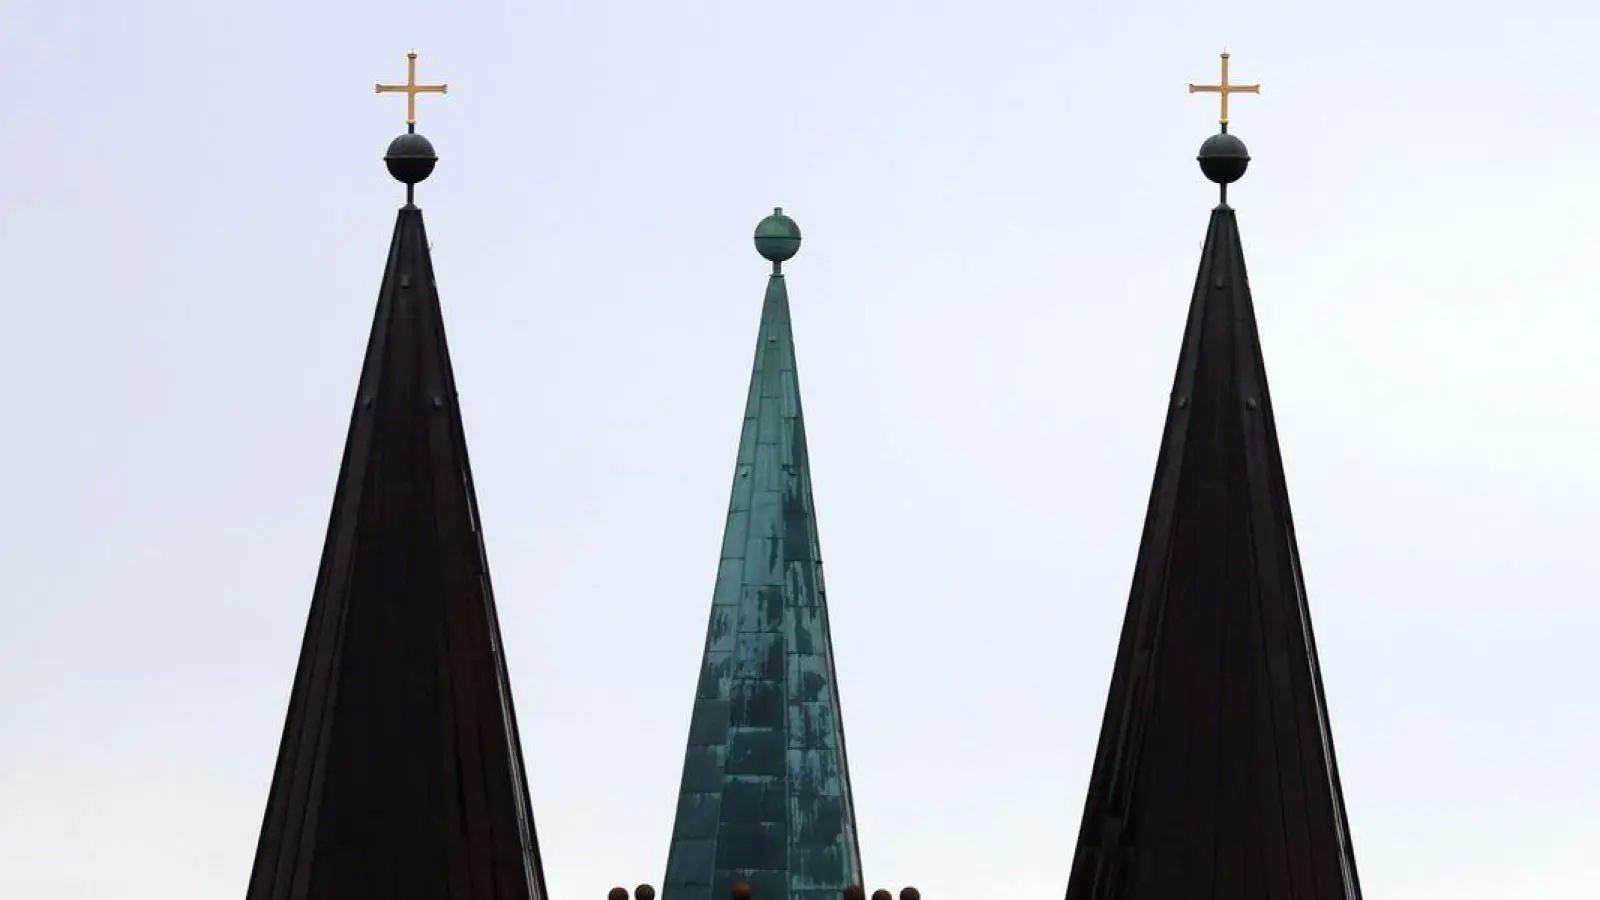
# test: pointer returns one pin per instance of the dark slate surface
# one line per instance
(766, 796)
(400, 774)
(1215, 777)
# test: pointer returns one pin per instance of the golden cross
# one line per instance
(1224, 89)
(411, 89)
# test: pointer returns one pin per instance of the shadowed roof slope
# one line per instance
(400, 774)
(1215, 776)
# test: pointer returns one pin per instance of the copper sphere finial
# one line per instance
(644, 892)
(910, 893)
(855, 892)
(618, 893)
(881, 894)
(741, 891)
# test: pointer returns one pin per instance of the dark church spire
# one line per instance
(1215, 776)
(400, 773)
(765, 807)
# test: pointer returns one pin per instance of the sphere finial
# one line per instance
(644, 892)
(910, 893)
(1223, 158)
(777, 237)
(741, 891)
(881, 894)
(617, 893)
(410, 158)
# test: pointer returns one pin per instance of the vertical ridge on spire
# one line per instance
(765, 798)
(1215, 776)
(400, 772)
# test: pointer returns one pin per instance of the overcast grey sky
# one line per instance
(1002, 219)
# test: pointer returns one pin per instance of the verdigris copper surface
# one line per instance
(765, 798)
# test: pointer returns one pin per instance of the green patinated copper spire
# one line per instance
(765, 799)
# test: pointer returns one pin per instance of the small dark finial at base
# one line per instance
(881, 894)
(910, 893)
(644, 892)
(617, 893)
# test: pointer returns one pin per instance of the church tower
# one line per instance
(1215, 776)
(765, 808)
(400, 773)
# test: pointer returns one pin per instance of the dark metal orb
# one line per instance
(910, 893)
(741, 891)
(855, 892)
(778, 237)
(644, 892)
(1223, 158)
(881, 894)
(410, 158)
(618, 893)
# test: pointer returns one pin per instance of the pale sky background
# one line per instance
(1002, 220)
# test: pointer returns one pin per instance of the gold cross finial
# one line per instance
(1224, 89)
(411, 89)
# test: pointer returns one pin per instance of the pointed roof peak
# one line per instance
(765, 806)
(400, 771)
(1215, 776)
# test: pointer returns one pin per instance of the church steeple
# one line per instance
(1215, 776)
(400, 772)
(765, 807)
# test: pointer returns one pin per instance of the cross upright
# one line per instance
(411, 89)
(1224, 89)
